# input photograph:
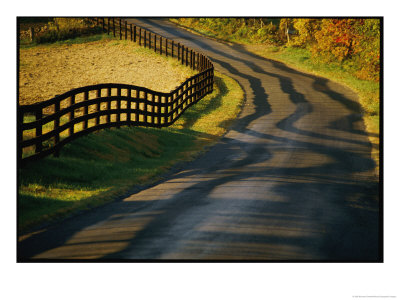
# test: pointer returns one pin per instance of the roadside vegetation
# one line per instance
(343, 50)
(50, 30)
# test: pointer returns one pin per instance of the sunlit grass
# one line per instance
(101, 166)
(77, 40)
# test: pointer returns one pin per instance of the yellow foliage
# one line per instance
(306, 29)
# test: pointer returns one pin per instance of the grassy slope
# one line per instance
(300, 59)
(97, 168)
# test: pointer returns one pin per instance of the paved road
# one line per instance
(292, 180)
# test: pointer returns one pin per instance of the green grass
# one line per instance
(78, 40)
(228, 32)
(101, 166)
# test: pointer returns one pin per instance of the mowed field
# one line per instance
(47, 71)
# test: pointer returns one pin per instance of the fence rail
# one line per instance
(43, 128)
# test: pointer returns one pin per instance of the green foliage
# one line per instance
(66, 28)
(305, 29)
(248, 30)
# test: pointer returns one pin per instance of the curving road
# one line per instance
(292, 180)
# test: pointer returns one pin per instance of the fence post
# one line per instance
(56, 125)
(98, 95)
(71, 115)
(118, 107)
(166, 47)
(129, 104)
(152, 109)
(31, 33)
(20, 134)
(38, 146)
(212, 79)
(126, 30)
(85, 109)
(134, 33)
(179, 51)
(182, 53)
(130, 25)
(145, 109)
(160, 44)
(113, 19)
(155, 43)
(171, 106)
(137, 92)
(108, 106)
(200, 66)
(196, 88)
(187, 53)
(120, 29)
(166, 100)
(172, 48)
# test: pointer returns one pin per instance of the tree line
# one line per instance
(354, 43)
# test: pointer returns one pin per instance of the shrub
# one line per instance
(66, 28)
(268, 33)
(352, 43)
(305, 31)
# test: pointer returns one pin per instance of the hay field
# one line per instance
(46, 71)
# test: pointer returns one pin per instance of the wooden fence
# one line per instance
(43, 128)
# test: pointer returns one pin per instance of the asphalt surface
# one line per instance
(292, 180)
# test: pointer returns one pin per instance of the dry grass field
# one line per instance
(46, 71)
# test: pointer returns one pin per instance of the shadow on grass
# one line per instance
(191, 116)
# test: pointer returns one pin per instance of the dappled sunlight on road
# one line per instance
(104, 238)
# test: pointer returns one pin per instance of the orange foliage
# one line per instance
(336, 37)
(354, 43)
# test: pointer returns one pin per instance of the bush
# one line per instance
(305, 31)
(352, 43)
(66, 28)
(268, 33)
